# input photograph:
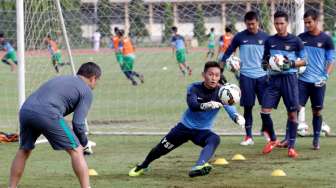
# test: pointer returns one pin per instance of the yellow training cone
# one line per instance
(92, 172)
(238, 157)
(220, 161)
(278, 172)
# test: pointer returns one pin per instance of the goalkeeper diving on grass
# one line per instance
(43, 113)
(196, 124)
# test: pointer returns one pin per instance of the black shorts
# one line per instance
(56, 130)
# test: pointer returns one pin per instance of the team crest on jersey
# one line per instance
(260, 41)
(319, 44)
(287, 47)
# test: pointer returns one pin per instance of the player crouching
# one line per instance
(196, 123)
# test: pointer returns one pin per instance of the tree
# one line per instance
(199, 29)
(8, 19)
(72, 19)
(168, 21)
(137, 16)
(104, 13)
(265, 16)
(329, 15)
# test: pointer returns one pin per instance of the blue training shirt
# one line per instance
(290, 46)
(7, 46)
(61, 96)
(177, 41)
(320, 52)
(251, 49)
(194, 117)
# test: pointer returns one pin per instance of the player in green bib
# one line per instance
(178, 46)
(10, 57)
(211, 44)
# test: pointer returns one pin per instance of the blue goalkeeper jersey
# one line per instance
(196, 118)
(290, 46)
(177, 41)
(251, 49)
(320, 52)
(7, 46)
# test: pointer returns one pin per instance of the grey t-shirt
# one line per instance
(61, 96)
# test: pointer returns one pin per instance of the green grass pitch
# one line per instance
(156, 106)
(115, 155)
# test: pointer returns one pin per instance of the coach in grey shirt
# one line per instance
(43, 113)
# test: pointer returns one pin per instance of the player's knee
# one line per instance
(266, 110)
(24, 153)
(317, 111)
(5, 61)
(292, 116)
(214, 140)
(75, 151)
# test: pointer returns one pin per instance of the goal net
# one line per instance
(156, 105)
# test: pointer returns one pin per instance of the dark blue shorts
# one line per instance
(250, 88)
(56, 130)
(181, 134)
(309, 90)
(285, 86)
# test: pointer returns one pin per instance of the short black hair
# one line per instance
(116, 29)
(210, 64)
(251, 15)
(2, 35)
(121, 32)
(89, 69)
(311, 13)
(174, 29)
(281, 14)
(228, 29)
(212, 29)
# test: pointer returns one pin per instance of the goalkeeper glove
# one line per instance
(210, 105)
(88, 149)
(240, 120)
(287, 64)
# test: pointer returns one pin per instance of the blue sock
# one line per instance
(268, 125)
(248, 120)
(292, 129)
(287, 132)
(317, 124)
(209, 149)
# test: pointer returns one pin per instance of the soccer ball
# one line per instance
(325, 129)
(233, 63)
(229, 94)
(276, 66)
(302, 129)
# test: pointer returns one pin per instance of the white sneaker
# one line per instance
(247, 141)
(325, 129)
